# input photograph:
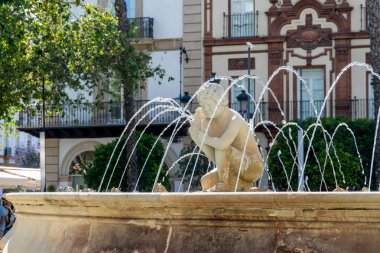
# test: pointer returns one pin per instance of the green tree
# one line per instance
(334, 162)
(46, 51)
(373, 15)
(42, 43)
(96, 169)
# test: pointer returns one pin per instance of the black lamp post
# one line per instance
(185, 99)
(182, 51)
(250, 46)
(213, 78)
(243, 99)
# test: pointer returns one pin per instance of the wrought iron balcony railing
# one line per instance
(143, 26)
(112, 114)
(296, 110)
(240, 25)
(95, 114)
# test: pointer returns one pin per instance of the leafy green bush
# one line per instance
(187, 167)
(339, 164)
(102, 154)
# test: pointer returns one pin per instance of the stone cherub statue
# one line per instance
(224, 143)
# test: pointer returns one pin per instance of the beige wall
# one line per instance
(192, 41)
(359, 74)
(222, 55)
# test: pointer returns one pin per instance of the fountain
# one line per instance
(225, 217)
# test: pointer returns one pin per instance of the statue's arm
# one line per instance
(209, 151)
(227, 137)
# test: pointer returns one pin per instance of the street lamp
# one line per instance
(213, 78)
(243, 99)
(182, 51)
(250, 46)
(185, 99)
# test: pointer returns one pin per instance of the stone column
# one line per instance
(52, 162)
(42, 160)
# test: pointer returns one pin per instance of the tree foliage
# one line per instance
(102, 154)
(338, 161)
(42, 42)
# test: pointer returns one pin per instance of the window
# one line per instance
(242, 6)
(242, 18)
(131, 7)
(314, 89)
(103, 4)
(107, 4)
(77, 167)
(115, 109)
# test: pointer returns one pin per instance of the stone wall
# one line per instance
(195, 222)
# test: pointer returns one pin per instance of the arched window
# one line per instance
(78, 168)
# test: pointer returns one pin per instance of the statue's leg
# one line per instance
(222, 159)
(254, 171)
(248, 167)
(209, 180)
(243, 186)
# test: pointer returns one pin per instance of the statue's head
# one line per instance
(211, 95)
(214, 92)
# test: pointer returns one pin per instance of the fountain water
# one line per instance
(209, 221)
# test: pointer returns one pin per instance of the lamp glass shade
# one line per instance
(243, 99)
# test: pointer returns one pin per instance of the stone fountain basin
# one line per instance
(195, 222)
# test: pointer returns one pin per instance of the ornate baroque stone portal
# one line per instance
(309, 37)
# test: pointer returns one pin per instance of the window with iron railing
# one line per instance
(158, 113)
(143, 27)
(240, 25)
(242, 20)
(97, 114)
(313, 89)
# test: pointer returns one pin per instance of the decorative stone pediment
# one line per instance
(309, 36)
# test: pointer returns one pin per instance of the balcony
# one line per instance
(93, 119)
(106, 119)
(143, 26)
(240, 25)
(294, 110)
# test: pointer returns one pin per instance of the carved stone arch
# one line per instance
(338, 14)
(76, 150)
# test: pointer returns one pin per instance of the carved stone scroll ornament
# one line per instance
(309, 36)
